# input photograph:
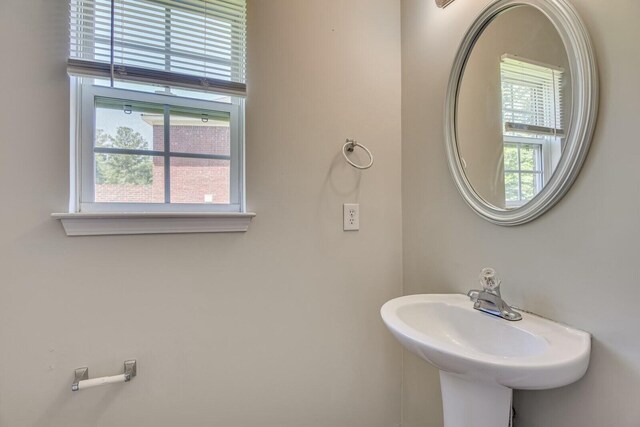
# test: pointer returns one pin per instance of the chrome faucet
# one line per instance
(489, 299)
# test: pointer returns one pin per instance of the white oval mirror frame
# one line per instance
(579, 131)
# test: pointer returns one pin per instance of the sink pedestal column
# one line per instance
(468, 402)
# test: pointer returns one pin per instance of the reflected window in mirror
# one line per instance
(523, 170)
(522, 99)
(532, 126)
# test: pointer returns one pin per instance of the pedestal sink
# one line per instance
(481, 357)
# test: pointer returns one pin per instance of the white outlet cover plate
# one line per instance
(351, 216)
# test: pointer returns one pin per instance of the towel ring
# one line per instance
(349, 146)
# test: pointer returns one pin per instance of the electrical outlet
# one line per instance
(351, 216)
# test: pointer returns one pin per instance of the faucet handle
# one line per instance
(489, 280)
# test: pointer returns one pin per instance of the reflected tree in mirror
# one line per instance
(532, 126)
(521, 108)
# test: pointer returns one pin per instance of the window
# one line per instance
(532, 120)
(158, 92)
(523, 171)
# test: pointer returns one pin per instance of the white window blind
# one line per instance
(186, 43)
(531, 98)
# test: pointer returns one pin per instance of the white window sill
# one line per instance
(99, 224)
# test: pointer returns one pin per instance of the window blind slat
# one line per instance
(196, 26)
(149, 51)
(137, 36)
(79, 67)
(531, 97)
(192, 43)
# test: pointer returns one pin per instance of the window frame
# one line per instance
(549, 143)
(545, 161)
(84, 216)
(85, 157)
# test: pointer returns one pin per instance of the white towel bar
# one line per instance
(82, 380)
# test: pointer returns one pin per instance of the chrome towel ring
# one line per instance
(349, 146)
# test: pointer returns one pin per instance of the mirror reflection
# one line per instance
(511, 110)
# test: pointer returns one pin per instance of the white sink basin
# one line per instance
(482, 357)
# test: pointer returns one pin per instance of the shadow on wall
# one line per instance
(98, 407)
(342, 181)
(567, 403)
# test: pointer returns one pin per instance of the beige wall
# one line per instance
(577, 263)
(521, 31)
(275, 327)
(280, 326)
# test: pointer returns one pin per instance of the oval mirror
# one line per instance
(521, 108)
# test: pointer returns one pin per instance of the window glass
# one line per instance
(122, 124)
(200, 132)
(126, 178)
(512, 186)
(522, 172)
(135, 162)
(200, 180)
(532, 121)
(163, 90)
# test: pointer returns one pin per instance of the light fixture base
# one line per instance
(443, 3)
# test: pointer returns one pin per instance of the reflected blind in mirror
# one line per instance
(197, 44)
(531, 97)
